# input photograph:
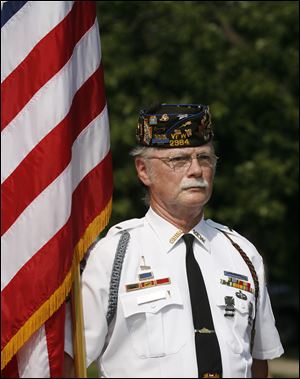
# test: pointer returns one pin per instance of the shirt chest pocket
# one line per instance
(154, 319)
(239, 318)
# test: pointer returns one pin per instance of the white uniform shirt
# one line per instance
(153, 334)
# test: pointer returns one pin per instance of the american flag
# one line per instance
(56, 174)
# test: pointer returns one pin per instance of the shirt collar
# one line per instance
(199, 231)
(169, 234)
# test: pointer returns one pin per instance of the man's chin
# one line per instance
(195, 198)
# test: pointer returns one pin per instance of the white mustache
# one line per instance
(195, 183)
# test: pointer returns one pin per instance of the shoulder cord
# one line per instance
(255, 280)
(115, 276)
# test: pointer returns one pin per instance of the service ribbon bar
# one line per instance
(245, 286)
(235, 275)
(146, 284)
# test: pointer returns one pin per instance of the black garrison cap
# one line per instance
(174, 125)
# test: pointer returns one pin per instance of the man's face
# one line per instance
(175, 180)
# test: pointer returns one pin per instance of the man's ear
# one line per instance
(142, 171)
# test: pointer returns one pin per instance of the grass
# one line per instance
(92, 371)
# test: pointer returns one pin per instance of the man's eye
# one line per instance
(204, 157)
(178, 159)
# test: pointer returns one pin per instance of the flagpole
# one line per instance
(78, 327)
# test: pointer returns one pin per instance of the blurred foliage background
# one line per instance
(240, 58)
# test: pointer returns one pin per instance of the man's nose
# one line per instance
(195, 167)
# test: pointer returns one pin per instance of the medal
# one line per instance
(241, 295)
(229, 306)
(143, 266)
(146, 274)
(146, 278)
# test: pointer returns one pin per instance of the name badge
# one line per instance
(152, 297)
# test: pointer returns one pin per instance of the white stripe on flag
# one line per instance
(93, 143)
(33, 360)
(37, 118)
(44, 15)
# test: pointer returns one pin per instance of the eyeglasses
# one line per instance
(183, 162)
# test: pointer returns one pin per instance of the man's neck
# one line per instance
(184, 219)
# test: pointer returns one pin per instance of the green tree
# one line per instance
(241, 58)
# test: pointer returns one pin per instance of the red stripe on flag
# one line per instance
(52, 155)
(55, 331)
(31, 73)
(30, 288)
(91, 196)
(11, 369)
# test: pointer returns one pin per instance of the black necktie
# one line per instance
(206, 342)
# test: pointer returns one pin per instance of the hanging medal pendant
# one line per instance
(229, 306)
(146, 273)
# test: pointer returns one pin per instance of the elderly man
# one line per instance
(172, 294)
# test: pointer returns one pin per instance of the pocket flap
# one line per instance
(150, 300)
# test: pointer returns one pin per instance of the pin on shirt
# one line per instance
(229, 306)
(175, 237)
(204, 331)
(146, 273)
(202, 239)
(241, 295)
(143, 266)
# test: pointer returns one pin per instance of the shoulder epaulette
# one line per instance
(125, 225)
(225, 228)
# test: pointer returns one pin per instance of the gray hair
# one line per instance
(142, 151)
